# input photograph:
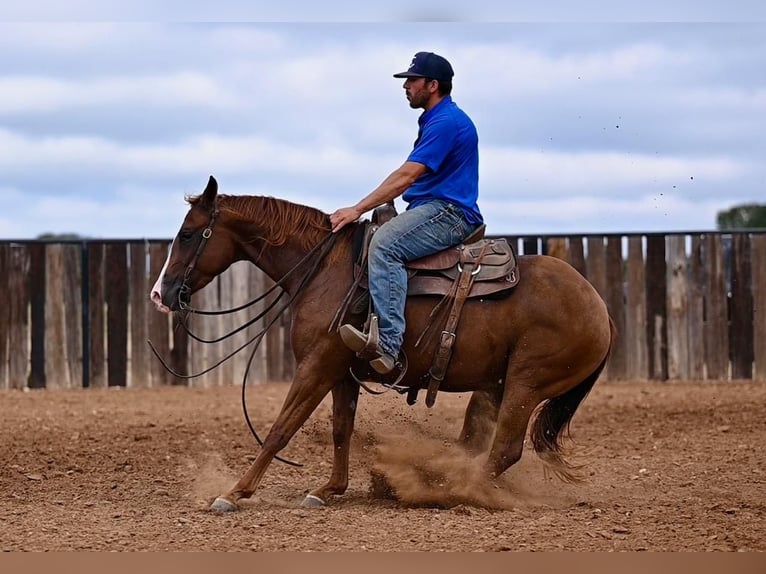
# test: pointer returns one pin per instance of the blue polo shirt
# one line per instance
(448, 146)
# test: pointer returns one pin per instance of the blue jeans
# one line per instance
(413, 234)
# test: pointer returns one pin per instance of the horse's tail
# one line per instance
(551, 424)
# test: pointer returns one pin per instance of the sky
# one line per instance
(603, 119)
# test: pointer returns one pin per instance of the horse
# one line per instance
(539, 349)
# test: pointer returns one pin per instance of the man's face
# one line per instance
(418, 91)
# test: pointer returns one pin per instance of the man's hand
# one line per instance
(391, 188)
(343, 217)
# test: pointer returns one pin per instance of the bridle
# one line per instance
(206, 234)
(315, 256)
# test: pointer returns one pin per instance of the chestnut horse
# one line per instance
(546, 342)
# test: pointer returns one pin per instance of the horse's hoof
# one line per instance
(220, 504)
(312, 501)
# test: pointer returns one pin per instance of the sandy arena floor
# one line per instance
(669, 467)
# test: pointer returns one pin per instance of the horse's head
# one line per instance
(200, 251)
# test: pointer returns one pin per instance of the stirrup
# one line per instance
(390, 381)
(364, 343)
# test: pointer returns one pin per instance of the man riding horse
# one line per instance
(440, 182)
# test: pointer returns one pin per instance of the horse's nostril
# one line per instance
(183, 297)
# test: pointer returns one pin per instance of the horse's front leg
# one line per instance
(344, 401)
(310, 385)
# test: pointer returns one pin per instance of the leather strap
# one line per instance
(447, 339)
(360, 273)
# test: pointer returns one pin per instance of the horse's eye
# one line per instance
(186, 234)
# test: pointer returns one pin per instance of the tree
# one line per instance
(745, 216)
(58, 237)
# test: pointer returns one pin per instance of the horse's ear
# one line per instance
(208, 196)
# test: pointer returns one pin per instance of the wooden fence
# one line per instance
(79, 315)
(688, 306)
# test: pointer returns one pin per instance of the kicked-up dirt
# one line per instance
(668, 466)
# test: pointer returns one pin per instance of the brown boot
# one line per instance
(367, 346)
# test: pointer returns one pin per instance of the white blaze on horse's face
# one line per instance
(156, 293)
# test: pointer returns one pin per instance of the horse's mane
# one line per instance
(276, 219)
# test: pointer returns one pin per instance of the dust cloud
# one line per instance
(211, 478)
(433, 472)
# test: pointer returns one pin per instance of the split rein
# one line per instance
(318, 253)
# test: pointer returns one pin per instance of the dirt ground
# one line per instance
(669, 466)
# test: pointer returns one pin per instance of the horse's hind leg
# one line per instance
(480, 420)
(513, 417)
(344, 402)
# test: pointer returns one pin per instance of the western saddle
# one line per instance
(478, 267)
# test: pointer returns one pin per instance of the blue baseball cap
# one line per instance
(428, 65)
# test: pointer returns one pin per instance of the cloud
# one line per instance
(129, 213)
(743, 100)
(28, 95)
(585, 214)
(63, 38)
(618, 124)
(527, 71)
(396, 10)
(558, 174)
(233, 155)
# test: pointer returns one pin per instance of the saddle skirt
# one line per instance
(494, 269)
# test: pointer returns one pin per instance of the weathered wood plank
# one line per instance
(716, 327)
(637, 362)
(197, 350)
(237, 295)
(741, 323)
(557, 247)
(596, 264)
(274, 338)
(138, 299)
(18, 324)
(227, 325)
(677, 311)
(179, 352)
(206, 327)
(576, 253)
(258, 366)
(656, 309)
(116, 275)
(240, 294)
(696, 276)
(72, 296)
(36, 296)
(615, 300)
(4, 314)
(758, 252)
(57, 374)
(215, 328)
(288, 370)
(96, 314)
(530, 246)
(158, 323)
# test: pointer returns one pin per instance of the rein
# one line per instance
(322, 249)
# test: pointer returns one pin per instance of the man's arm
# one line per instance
(390, 188)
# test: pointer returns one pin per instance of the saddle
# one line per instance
(476, 268)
